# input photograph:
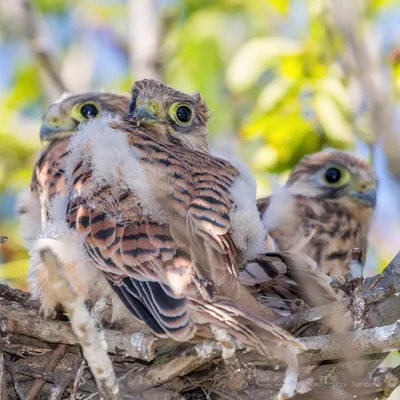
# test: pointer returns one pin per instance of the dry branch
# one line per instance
(363, 50)
(53, 83)
(191, 369)
(83, 327)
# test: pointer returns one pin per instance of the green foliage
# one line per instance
(278, 93)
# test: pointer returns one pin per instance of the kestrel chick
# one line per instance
(168, 224)
(61, 121)
(324, 210)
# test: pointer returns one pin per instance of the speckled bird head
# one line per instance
(64, 116)
(173, 116)
(335, 176)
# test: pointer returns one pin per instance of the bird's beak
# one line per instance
(49, 131)
(366, 197)
(144, 115)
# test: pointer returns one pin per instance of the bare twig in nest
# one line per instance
(178, 366)
(37, 385)
(25, 321)
(295, 321)
(9, 293)
(15, 382)
(83, 326)
(3, 387)
(368, 341)
(78, 377)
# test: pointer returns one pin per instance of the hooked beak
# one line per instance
(366, 198)
(144, 115)
(48, 133)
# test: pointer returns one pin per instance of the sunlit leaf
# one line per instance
(274, 93)
(280, 5)
(332, 119)
(255, 57)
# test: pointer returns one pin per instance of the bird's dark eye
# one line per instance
(332, 175)
(89, 111)
(183, 113)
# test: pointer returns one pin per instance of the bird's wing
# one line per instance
(283, 277)
(141, 261)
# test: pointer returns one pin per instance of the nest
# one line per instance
(54, 358)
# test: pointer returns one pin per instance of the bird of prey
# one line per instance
(61, 121)
(324, 210)
(169, 224)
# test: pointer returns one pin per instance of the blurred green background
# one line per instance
(282, 78)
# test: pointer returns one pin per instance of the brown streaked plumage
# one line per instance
(165, 223)
(62, 120)
(320, 217)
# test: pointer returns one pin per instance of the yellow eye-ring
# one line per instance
(181, 113)
(335, 176)
(85, 111)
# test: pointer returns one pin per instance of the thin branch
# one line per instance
(78, 377)
(83, 326)
(19, 296)
(33, 373)
(368, 71)
(144, 22)
(340, 307)
(25, 321)
(15, 382)
(3, 387)
(178, 366)
(368, 341)
(43, 57)
(37, 385)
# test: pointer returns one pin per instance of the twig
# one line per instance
(38, 49)
(178, 366)
(368, 341)
(78, 377)
(25, 321)
(295, 321)
(83, 326)
(3, 387)
(144, 39)
(31, 372)
(15, 382)
(369, 73)
(9, 293)
(37, 385)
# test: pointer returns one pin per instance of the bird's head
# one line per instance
(64, 116)
(336, 176)
(171, 115)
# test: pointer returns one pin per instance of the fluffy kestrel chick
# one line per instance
(61, 121)
(324, 210)
(167, 223)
